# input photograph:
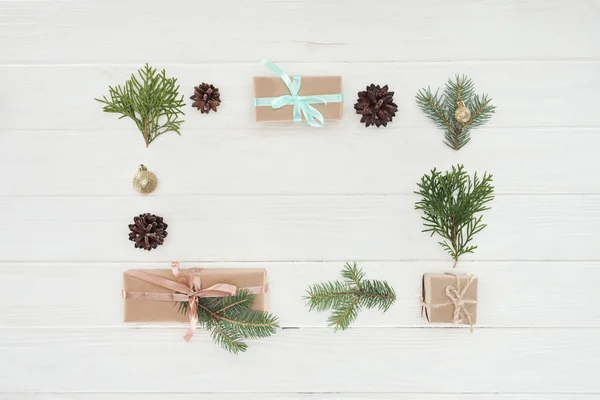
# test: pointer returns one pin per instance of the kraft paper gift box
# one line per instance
(167, 311)
(281, 92)
(450, 298)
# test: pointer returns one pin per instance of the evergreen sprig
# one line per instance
(440, 109)
(451, 202)
(231, 319)
(152, 102)
(346, 298)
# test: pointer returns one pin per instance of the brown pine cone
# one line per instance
(376, 105)
(148, 231)
(206, 97)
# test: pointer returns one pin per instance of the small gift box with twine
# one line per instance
(450, 298)
(313, 99)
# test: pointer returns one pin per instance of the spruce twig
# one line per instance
(231, 319)
(152, 102)
(346, 298)
(451, 202)
(440, 108)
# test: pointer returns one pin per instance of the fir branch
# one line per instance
(345, 312)
(239, 303)
(450, 202)
(227, 339)
(440, 109)
(325, 296)
(461, 88)
(434, 107)
(154, 104)
(346, 298)
(481, 111)
(231, 319)
(253, 324)
(353, 274)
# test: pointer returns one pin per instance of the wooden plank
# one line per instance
(290, 228)
(232, 189)
(522, 92)
(75, 31)
(360, 360)
(343, 161)
(296, 396)
(511, 294)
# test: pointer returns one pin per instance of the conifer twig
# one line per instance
(451, 202)
(440, 109)
(231, 319)
(346, 298)
(152, 101)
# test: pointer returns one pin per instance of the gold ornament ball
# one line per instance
(144, 181)
(462, 113)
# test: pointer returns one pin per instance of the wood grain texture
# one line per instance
(349, 161)
(511, 294)
(290, 228)
(364, 360)
(76, 31)
(522, 89)
(295, 396)
(298, 201)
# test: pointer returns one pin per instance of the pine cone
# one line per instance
(148, 231)
(206, 97)
(376, 105)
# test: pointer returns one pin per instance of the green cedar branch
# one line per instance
(231, 319)
(152, 101)
(346, 298)
(440, 109)
(451, 203)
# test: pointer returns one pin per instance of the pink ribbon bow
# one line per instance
(187, 288)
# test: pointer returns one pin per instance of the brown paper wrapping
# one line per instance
(434, 292)
(267, 86)
(164, 311)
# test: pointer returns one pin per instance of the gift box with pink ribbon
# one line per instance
(229, 298)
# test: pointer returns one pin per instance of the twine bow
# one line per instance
(456, 295)
(301, 104)
(188, 287)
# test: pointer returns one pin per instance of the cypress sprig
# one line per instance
(346, 298)
(231, 319)
(452, 202)
(152, 102)
(440, 109)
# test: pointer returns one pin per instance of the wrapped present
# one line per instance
(151, 294)
(312, 98)
(450, 298)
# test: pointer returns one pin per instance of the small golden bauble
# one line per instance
(462, 113)
(144, 181)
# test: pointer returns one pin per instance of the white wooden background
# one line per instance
(296, 200)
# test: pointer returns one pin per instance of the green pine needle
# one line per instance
(231, 319)
(152, 102)
(440, 109)
(347, 298)
(227, 338)
(450, 202)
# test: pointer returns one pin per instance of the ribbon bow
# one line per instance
(302, 104)
(188, 287)
(457, 299)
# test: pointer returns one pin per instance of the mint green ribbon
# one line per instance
(302, 104)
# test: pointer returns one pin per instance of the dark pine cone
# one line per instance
(376, 105)
(148, 231)
(206, 97)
